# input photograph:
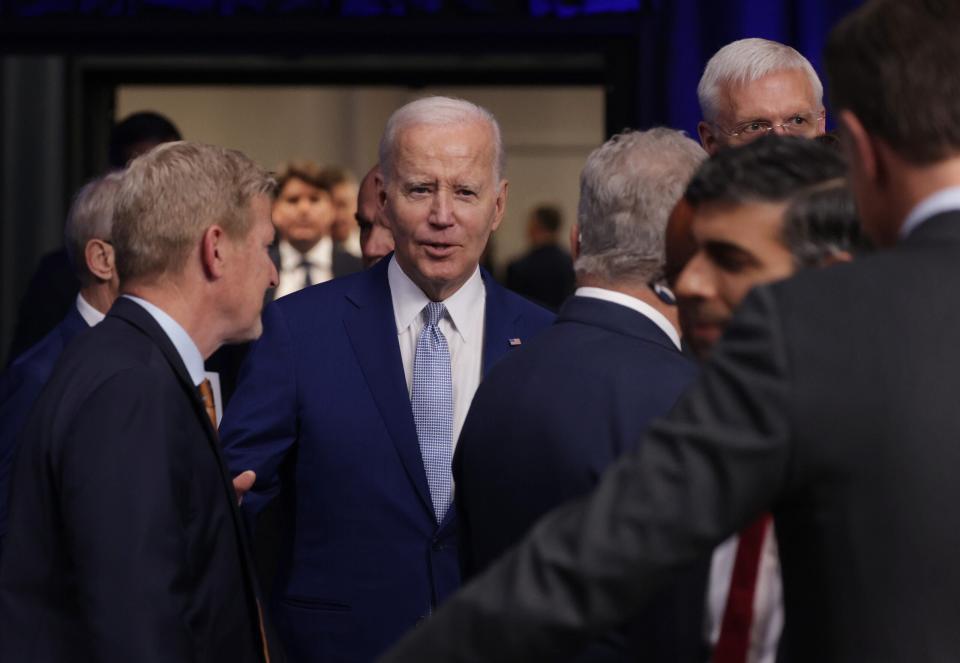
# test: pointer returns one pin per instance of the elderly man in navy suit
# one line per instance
(552, 416)
(88, 245)
(349, 405)
(125, 541)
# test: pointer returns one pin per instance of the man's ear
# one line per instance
(707, 138)
(501, 205)
(861, 148)
(100, 259)
(574, 242)
(213, 252)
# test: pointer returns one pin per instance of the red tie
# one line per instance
(734, 638)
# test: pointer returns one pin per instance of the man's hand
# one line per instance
(242, 483)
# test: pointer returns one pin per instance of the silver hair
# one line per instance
(747, 60)
(628, 188)
(90, 217)
(442, 111)
(172, 194)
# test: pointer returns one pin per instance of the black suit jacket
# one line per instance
(833, 401)
(546, 423)
(124, 539)
(544, 275)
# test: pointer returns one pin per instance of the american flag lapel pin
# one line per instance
(514, 342)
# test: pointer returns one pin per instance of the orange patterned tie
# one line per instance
(206, 393)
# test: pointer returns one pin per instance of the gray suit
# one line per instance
(833, 400)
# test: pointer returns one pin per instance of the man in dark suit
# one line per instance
(125, 541)
(831, 400)
(553, 415)
(545, 273)
(87, 241)
(350, 403)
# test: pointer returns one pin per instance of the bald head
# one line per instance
(376, 240)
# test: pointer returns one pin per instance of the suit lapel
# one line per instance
(500, 331)
(372, 331)
(137, 316)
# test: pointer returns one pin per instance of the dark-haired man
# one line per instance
(545, 273)
(832, 401)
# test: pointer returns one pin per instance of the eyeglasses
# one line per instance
(801, 124)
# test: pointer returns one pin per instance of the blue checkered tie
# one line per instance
(432, 402)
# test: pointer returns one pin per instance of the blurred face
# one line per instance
(783, 100)
(252, 272)
(739, 246)
(344, 197)
(442, 203)
(376, 240)
(303, 214)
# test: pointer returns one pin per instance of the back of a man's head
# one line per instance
(772, 169)
(745, 61)
(169, 196)
(437, 111)
(893, 63)
(90, 217)
(628, 187)
(138, 133)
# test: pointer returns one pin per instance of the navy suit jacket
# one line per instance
(547, 423)
(323, 411)
(20, 385)
(125, 542)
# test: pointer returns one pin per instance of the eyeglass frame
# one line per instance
(817, 116)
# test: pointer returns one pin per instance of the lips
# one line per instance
(438, 250)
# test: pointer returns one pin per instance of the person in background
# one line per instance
(53, 287)
(343, 191)
(752, 87)
(545, 273)
(87, 238)
(376, 239)
(303, 214)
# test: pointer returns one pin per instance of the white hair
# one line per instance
(438, 111)
(745, 61)
(628, 188)
(90, 217)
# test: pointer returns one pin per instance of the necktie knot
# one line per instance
(434, 312)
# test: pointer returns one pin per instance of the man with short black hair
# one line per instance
(545, 273)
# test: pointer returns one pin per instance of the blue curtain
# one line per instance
(696, 29)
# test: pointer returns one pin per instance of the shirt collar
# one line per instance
(943, 200)
(181, 340)
(89, 314)
(319, 256)
(655, 316)
(464, 306)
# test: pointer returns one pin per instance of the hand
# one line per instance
(243, 482)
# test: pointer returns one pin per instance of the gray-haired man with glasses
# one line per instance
(752, 87)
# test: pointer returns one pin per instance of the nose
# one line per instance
(274, 276)
(695, 281)
(441, 212)
(780, 130)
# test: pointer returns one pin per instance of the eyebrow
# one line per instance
(722, 248)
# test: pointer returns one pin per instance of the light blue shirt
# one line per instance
(944, 200)
(181, 340)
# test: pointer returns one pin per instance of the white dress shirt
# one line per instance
(89, 314)
(293, 274)
(462, 326)
(767, 623)
(944, 200)
(655, 316)
(181, 340)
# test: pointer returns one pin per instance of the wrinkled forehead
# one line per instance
(775, 96)
(463, 149)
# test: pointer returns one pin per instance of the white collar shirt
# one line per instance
(89, 314)
(462, 326)
(641, 307)
(293, 274)
(944, 200)
(184, 345)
